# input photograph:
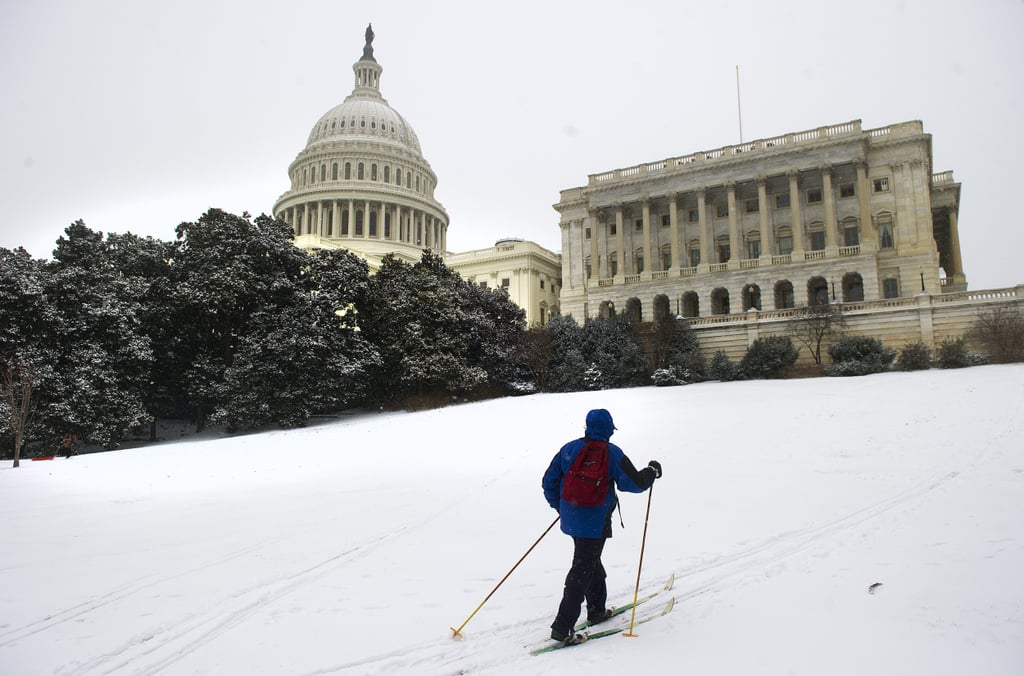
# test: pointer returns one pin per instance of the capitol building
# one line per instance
(733, 239)
(362, 184)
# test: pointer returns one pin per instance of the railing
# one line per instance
(748, 263)
(719, 267)
(632, 279)
(814, 255)
(841, 130)
(783, 259)
(942, 177)
(659, 274)
(849, 250)
(687, 272)
(605, 282)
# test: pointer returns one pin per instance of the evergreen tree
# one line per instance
(303, 358)
(102, 359)
(609, 346)
(27, 346)
(567, 363)
(228, 271)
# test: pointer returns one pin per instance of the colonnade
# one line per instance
(773, 217)
(367, 219)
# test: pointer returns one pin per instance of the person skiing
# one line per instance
(589, 526)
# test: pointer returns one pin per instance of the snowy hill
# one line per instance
(351, 547)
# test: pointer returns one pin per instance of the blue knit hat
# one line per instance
(600, 425)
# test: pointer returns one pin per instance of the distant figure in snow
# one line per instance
(588, 517)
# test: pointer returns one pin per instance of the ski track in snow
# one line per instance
(722, 572)
(12, 636)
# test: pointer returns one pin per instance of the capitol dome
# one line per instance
(362, 183)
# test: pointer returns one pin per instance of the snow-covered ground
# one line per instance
(352, 546)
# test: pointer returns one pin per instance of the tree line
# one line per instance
(231, 324)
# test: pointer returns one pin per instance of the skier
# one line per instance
(590, 526)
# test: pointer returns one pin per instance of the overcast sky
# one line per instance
(137, 115)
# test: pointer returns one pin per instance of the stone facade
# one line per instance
(527, 271)
(830, 214)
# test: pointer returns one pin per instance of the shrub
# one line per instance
(1000, 331)
(953, 354)
(670, 376)
(768, 357)
(859, 356)
(721, 368)
(915, 357)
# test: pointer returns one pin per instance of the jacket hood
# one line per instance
(600, 425)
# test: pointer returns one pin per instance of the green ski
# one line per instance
(667, 608)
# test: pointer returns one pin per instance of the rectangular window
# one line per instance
(782, 201)
(638, 224)
(846, 190)
(666, 261)
(586, 233)
(505, 282)
(542, 284)
(722, 210)
(817, 241)
(694, 257)
(613, 266)
(693, 215)
(483, 285)
(723, 253)
(881, 184)
(885, 235)
(751, 206)
(639, 264)
(851, 237)
(814, 196)
(665, 221)
(612, 229)
(785, 245)
(754, 249)
(890, 288)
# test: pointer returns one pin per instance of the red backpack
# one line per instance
(586, 482)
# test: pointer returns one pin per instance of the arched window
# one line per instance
(417, 182)
(817, 291)
(373, 171)
(606, 310)
(387, 221)
(359, 224)
(348, 171)
(398, 176)
(387, 174)
(408, 179)
(334, 171)
(330, 222)
(853, 288)
(751, 297)
(373, 224)
(323, 173)
(691, 304)
(784, 296)
(359, 172)
(662, 311)
(634, 310)
(344, 223)
(720, 301)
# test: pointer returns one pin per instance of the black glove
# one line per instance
(656, 466)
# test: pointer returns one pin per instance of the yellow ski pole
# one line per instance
(457, 633)
(643, 543)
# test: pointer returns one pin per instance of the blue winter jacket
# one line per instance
(592, 522)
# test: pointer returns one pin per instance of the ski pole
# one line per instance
(457, 633)
(643, 543)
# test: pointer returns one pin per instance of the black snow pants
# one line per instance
(585, 581)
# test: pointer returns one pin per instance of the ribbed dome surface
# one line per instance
(363, 116)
